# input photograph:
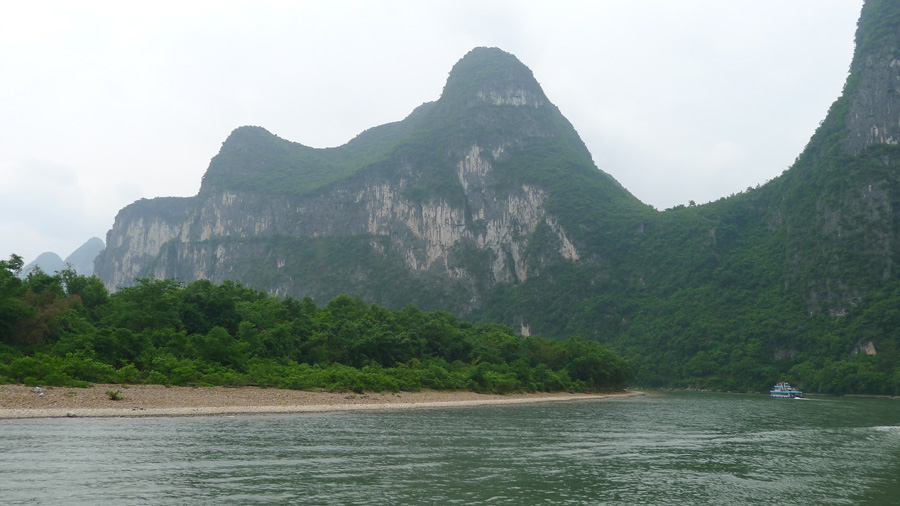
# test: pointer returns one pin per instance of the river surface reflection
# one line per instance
(669, 448)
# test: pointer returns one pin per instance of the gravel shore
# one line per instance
(17, 401)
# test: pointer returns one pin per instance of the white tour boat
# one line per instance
(782, 390)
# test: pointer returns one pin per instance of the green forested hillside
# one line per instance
(794, 279)
(487, 204)
(65, 329)
(253, 159)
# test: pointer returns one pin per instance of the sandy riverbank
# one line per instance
(17, 401)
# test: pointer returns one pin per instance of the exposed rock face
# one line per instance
(867, 348)
(469, 234)
(425, 234)
(487, 203)
(511, 96)
(848, 181)
(874, 115)
(853, 252)
(139, 233)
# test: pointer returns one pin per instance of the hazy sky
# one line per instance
(104, 103)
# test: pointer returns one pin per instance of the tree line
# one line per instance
(66, 329)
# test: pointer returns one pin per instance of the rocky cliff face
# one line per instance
(139, 233)
(490, 188)
(839, 201)
(487, 204)
(874, 86)
(467, 233)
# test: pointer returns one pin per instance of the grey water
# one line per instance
(665, 448)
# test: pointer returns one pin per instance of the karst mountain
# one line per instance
(487, 204)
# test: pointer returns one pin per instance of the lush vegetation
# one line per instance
(253, 159)
(878, 20)
(65, 329)
(792, 280)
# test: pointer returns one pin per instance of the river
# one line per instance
(665, 448)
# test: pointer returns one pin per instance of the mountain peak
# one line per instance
(493, 76)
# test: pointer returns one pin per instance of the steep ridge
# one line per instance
(434, 210)
(794, 278)
(82, 259)
(839, 201)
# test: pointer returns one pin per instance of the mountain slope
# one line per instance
(82, 259)
(48, 262)
(486, 203)
(435, 210)
(792, 278)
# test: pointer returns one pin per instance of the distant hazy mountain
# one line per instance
(82, 259)
(48, 262)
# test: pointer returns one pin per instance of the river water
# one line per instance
(669, 448)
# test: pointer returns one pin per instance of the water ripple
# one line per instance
(663, 449)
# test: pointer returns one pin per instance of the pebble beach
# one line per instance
(18, 401)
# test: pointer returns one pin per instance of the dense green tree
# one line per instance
(65, 329)
(12, 308)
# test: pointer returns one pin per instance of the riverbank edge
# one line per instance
(330, 403)
(766, 392)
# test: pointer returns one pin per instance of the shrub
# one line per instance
(128, 374)
(156, 378)
(184, 375)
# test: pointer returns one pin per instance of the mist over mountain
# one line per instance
(47, 261)
(487, 203)
(82, 259)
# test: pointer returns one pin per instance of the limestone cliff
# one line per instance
(874, 83)
(837, 206)
(442, 199)
(486, 203)
(139, 233)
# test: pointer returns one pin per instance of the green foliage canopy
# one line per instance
(63, 330)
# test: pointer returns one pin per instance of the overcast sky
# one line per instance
(104, 103)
